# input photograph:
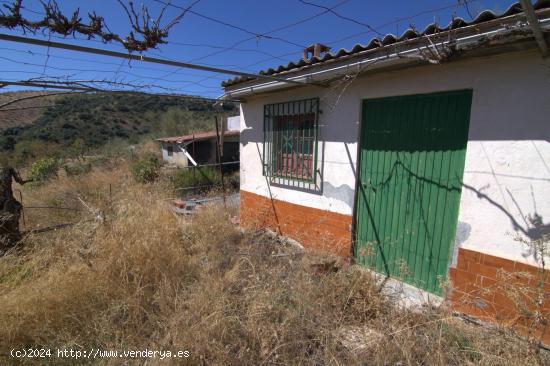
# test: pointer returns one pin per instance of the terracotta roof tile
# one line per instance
(390, 39)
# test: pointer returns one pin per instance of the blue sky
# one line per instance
(203, 41)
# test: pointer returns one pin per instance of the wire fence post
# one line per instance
(219, 150)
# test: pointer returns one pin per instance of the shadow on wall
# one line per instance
(419, 205)
(343, 193)
(404, 212)
(533, 226)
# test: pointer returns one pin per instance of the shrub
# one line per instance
(200, 177)
(77, 168)
(234, 180)
(32, 150)
(7, 143)
(44, 169)
(146, 169)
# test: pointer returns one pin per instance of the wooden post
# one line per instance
(222, 135)
(194, 168)
(220, 154)
(22, 209)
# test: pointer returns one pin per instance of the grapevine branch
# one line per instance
(147, 32)
(30, 97)
(74, 86)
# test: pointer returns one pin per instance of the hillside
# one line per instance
(23, 112)
(92, 120)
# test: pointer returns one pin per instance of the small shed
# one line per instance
(199, 148)
(426, 159)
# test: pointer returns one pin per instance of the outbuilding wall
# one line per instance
(507, 172)
(233, 123)
(178, 158)
(204, 151)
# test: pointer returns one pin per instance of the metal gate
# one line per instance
(411, 162)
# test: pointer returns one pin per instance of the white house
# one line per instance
(200, 147)
(424, 157)
(234, 123)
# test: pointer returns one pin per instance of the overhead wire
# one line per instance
(233, 47)
(280, 28)
(88, 89)
(332, 11)
(182, 44)
(103, 81)
(456, 4)
(257, 35)
(378, 27)
(90, 71)
(371, 29)
(267, 35)
(74, 38)
(142, 58)
(32, 53)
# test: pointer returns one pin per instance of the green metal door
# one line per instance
(411, 162)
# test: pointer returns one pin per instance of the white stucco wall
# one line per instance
(233, 123)
(178, 158)
(507, 171)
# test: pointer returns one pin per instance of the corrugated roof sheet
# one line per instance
(203, 135)
(390, 39)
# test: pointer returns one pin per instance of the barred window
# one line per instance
(290, 140)
(170, 150)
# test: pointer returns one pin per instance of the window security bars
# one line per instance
(290, 142)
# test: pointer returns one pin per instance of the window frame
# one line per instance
(290, 113)
(170, 150)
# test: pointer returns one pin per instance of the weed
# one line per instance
(44, 169)
(197, 177)
(146, 169)
(148, 279)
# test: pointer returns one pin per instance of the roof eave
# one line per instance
(198, 138)
(465, 41)
(383, 59)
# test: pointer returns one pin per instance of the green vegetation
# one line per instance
(44, 169)
(196, 177)
(77, 167)
(146, 169)
(84, 123)
(146, 279)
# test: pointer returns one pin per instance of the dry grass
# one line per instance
(146, 279)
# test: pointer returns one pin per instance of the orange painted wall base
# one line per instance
(499, 290)
(483, 285)
(314, 228)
